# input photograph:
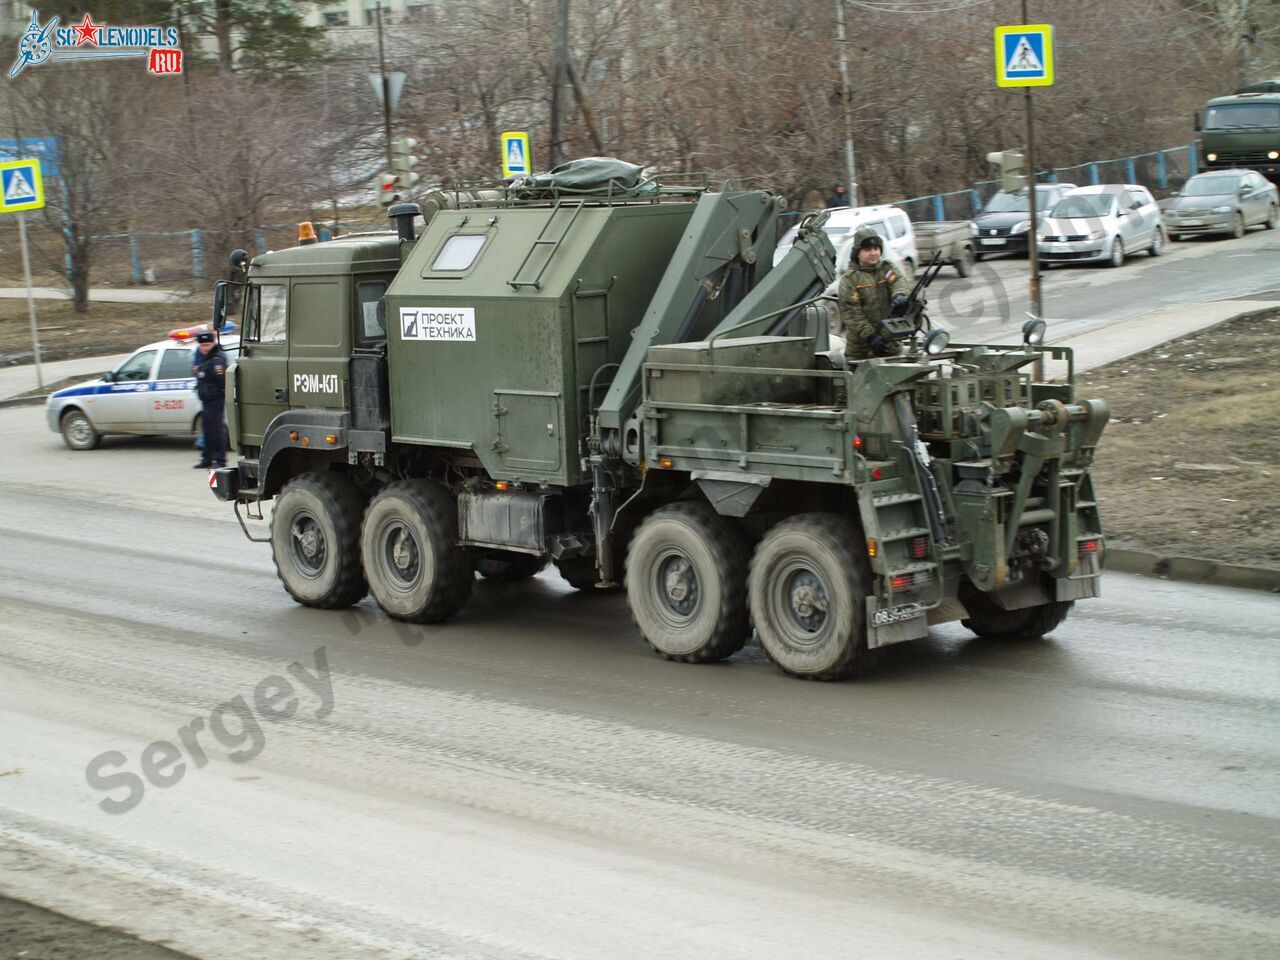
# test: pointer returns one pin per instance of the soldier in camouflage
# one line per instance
(869, 290)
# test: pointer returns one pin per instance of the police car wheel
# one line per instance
(809, 586)
(315, 540)
(77, 432)
(408, 544)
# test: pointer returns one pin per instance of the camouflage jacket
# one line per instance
(864, 298)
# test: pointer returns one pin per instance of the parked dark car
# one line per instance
(1004, 224)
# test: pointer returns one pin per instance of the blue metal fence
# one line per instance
(179, 255)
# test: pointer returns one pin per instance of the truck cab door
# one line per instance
(319, 343)
(262, 372)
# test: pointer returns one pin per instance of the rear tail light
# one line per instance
(1090, 546)
(910, 582)
(918, 548)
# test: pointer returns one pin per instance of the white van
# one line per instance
(890, 222)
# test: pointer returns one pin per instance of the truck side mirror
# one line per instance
(220, 304)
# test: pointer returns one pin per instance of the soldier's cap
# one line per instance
(867, 237)
(204, 337)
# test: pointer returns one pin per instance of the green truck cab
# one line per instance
(616, 379)
(1242, 130)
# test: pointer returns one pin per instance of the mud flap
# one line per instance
(886, 625)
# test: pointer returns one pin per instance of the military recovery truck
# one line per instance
(614, 378)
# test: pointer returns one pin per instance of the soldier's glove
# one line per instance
(898, 305)
(877, 345)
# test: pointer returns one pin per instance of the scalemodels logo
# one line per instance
(97, 41)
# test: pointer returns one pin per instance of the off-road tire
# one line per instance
(1116, 256)
(579, 572)
(77, 432)
(988, 619)
(1238, 227)
(688, 547)
(323, 572)
(408, 544)
(1273, 218)
(1157, 243)
(509, 567)
(828, 551)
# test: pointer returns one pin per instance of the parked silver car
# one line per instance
(1103, 223)
(1223, 201)
(152, 392)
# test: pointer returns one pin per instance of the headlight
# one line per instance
(1022, 226)
(973, 228)
(1274, 155)
(1033, 331)
(1097, 235)
(1225, 208)
(1211, 157)
(936, 342)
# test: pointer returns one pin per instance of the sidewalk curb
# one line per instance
(22, 401)
(1193, 570)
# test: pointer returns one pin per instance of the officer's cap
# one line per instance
(204, 337)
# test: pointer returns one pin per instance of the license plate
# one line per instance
(1192, 223)
(908, 611)
(998, 242)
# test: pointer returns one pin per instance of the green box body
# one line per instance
(553, 295)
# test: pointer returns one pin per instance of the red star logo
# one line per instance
(88, 31)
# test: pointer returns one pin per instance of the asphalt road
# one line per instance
(529, 781)
(992, 304)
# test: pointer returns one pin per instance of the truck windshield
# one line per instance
(1210, 186)
(1234, 116)
(1082, 205)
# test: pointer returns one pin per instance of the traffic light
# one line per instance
(387, 189)
(403, 162)
(1013, 169)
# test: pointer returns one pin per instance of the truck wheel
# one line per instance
(687, 583)
(509, 567)
(77, 432)
(578, 572)
(315, 540)
(988, 619)
(415, 569)
(809, 586)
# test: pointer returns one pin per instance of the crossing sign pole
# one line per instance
(1024, 58)
(22, 189)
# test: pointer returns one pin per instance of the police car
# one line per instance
(153, 392)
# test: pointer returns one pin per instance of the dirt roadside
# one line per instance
(1190, 463)
(33, 933)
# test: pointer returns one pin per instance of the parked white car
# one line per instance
(890, 222)
(152, 392)
(1104, 223)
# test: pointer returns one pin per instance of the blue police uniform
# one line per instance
(211, 381)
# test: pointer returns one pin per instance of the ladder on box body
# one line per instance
(531, 269)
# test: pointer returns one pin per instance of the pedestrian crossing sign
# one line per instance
(21, 187)
(516, 159)
(1024, 55)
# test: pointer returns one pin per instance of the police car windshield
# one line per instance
(1214, 186)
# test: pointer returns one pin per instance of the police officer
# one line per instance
(871, 287)
(211, 379)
